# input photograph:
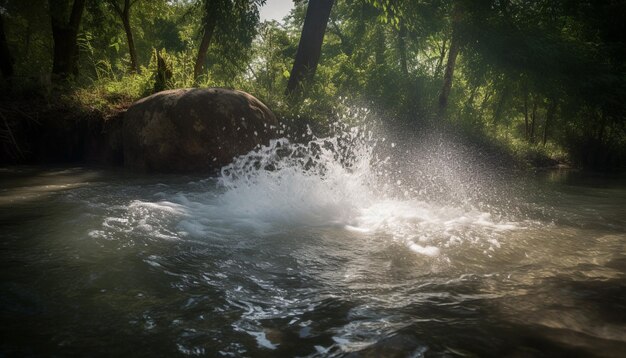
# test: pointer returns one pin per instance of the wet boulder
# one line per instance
(193, 130)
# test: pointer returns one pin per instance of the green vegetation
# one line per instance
(545, 80)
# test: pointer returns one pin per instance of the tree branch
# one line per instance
(116, 7)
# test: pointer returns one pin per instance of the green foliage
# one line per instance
(528, 71)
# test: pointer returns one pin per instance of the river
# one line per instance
(319, 255)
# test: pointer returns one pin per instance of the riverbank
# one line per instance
(60, 129)
(85, 127)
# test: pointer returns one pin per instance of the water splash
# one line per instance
(354, 179)
(322, 182)
(350, 180)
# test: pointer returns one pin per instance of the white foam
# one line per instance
(335, 181)
(339, 181)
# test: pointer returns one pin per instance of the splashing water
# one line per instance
(323, 182)
(319, 246)
(343, 181)
(347, 180)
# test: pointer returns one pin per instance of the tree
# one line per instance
(552, 106)
(401, 44)
(211, 12)
(64, 35)
(310, 45)
(231, 22)
(6, 60)
(451, 63)
(124, 14)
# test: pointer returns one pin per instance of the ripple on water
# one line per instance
(322, 249)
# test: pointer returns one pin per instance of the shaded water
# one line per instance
(325, 254)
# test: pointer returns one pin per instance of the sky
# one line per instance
(276, 9)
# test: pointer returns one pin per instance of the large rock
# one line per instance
(193, 130)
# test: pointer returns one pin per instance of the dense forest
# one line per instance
(359, 178)
(542, 80)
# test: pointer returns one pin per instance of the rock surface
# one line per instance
(194, 130)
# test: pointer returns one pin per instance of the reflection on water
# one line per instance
(282, 263)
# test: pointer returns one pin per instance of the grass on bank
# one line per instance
(107, 93)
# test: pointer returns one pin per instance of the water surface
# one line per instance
(289, 263)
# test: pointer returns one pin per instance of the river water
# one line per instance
(321, 249)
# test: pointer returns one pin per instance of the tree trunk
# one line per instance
(268, 65)
(131, 46)
(549, 119)
(504, 96)
(6, 61)
(64, 34)
(310, 46)
(602, 129)
(533, 118)
(207, 35)
(470, 100)
(124, 15)
(452, 55)
(402, 49)
(379, 48)
(526, 129)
